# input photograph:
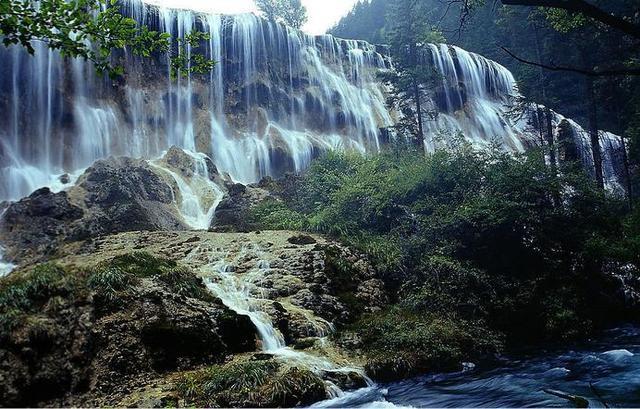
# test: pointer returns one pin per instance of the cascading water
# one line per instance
(196, 195)
(478, 99)
(5, 266)
(241, 292)
(275, 98)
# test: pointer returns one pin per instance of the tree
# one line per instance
(92, 30)
(408, 31)
(290, 12)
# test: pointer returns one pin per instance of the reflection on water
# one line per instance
(606, 371)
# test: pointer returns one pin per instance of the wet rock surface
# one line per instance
(114, 195)
(83, 347)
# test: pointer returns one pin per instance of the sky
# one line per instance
(323, 14)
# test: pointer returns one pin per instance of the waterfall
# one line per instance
(473, 98)
(275, 98)
(196, 196)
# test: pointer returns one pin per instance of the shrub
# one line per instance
(141, 264)
(275, 215)
(251, 383)
(401, 342)
(24, 293)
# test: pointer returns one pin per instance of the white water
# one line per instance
(196, 196)
(240, 291)
(5, 266)
(275, 99)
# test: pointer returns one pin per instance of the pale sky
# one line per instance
(322, 13)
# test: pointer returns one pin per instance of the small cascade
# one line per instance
(196, 195)
(5, 266)
(235, 293)
(241, 292)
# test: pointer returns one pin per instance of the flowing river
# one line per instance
(606, 372)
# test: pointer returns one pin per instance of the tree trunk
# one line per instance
(627, 173)
(550, 140)
(594, 133)
(420, 136)
(413, 59)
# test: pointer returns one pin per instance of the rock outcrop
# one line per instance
(71, 344)
(112, 196)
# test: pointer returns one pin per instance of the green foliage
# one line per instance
(479, 235)
(114, 279)
(91, 30)
(251, 383)
(141, 264)
(24, 293)
(109, 282)
(185, 61)
(289, 12)
(274, 215)
(422, 340)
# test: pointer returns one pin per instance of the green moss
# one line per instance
(141, 264)
(25, 293)
(114, 279)
(251, 383)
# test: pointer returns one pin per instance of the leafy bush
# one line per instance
(274, 215)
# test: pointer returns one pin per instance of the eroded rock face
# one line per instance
(124, 194)
(114, 195)
(233, 212)
(30, 226)
(78, 349)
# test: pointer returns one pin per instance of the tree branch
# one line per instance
(585, 8)
(588, 73)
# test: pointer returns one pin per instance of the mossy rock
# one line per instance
(247, 382)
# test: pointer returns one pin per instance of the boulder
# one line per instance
(114, 195)
(233, 212)
(30, 227)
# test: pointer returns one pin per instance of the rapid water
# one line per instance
(241, 292)
(606, 371)
(196, 195)
(5, 266)
(275, 98)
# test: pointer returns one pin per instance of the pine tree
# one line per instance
(408, 31)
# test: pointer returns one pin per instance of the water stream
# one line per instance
(240, 291)
(196, 196)
(602, 371)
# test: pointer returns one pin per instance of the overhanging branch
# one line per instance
(589, 73)
(585, 8)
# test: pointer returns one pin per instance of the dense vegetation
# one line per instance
(477, 245)
(588, 70)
